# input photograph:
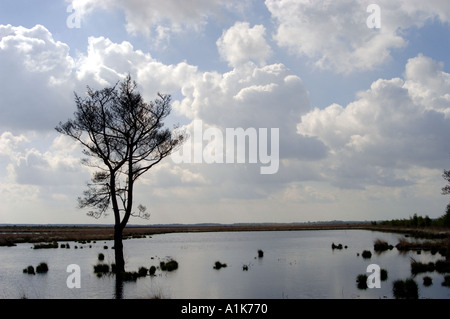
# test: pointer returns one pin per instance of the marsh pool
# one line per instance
(295, 265)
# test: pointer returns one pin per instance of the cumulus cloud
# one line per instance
(107, 62)
(9, 143)
(40, 76)
(335, 36)
(58, 165)
(253, 97)
(392, 128)
(240, 44)
(393, 134)
(35, 80)
(160, 18)
(229, 100)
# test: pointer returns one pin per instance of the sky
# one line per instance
(357, 91)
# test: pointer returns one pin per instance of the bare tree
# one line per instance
(123, 137)
(446, 191)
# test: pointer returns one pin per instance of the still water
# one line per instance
(296, 264)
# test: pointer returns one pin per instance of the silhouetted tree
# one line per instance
(123, 138)
(446, 191)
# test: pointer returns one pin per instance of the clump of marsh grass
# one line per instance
(442, 266)
(168, 266)
(427, 281)
(29, 270)
(46, 245)
(128, 275)
(218, 265)
(366, 254)
(383, 274)
(405, 289)
(446, 281)
(381, 245)
(133, 275)
(419, 267)
(361, 281)
(142, 272)
(334, 246)
(42, 268)
(101, 268)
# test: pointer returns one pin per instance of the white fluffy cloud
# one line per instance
(240, 43)
(58, 165)
(393, 128)
(35, 81)
(40, 76)
(107, 62)
(253, 97)
(221, 100)
(159, 18)
(335, 36)
(394, 134)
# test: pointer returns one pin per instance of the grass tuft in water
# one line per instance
(405, 289)
(361, 281)
(42, 268)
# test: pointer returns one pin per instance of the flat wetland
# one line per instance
(264, 261)
(10, 235)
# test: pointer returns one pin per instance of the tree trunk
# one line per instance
(118, 249)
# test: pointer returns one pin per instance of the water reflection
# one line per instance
(119, 288)
(295, 264)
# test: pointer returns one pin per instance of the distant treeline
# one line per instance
(420, 221)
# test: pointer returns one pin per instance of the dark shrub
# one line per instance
(446, 281)
(142, 272)
(418, 267)
(442, 266)
(427, 281)
(101, 257)
(412, 289)
(383, 274)
(366, 254)
(381, 245)
(46, 245)
(152, 270)
(407, 289)
(29, 270)
(443, 251)
(218, 265)
(129, 276)
(42, 268)
(101, 268)
(260, 253)
(168, 266)
(361, 281)
(398, 289)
